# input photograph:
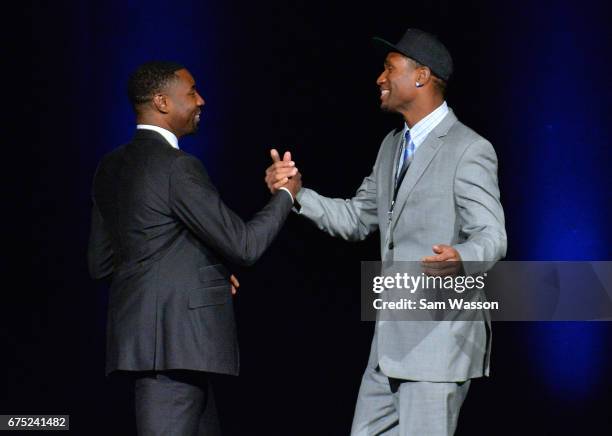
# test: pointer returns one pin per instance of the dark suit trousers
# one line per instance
(175, 402)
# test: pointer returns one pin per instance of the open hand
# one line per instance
(446, 261)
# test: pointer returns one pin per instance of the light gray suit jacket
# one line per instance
(449, 195)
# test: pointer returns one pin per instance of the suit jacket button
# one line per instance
(390, 245)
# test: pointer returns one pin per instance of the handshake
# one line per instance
(283, 174)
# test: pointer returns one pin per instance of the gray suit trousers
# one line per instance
(406, 408)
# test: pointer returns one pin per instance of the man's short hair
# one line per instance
(148, 79)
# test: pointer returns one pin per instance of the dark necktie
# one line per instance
(405, 159)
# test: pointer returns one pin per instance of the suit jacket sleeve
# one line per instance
(351, 219)
(99, 251)
(478, 205)
(196, 202)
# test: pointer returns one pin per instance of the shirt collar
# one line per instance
(420, 130)
(167, 134)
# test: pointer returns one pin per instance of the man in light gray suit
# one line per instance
(434, 196)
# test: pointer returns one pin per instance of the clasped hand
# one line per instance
(283, 174)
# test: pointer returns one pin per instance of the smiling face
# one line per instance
(184, 104)
(397, 83)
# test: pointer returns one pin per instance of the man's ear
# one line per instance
(423, 75)
(160, 101)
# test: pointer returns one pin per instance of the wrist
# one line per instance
(282, 188)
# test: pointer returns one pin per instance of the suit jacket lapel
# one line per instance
(422, 158)
(392, 168)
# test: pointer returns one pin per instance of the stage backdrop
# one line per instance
(532, 77)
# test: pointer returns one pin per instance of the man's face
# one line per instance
(184, 104)
(397, 83)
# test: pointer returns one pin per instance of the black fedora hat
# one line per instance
(424, 48)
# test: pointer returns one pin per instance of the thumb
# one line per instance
(287, 156)
(274, 155)
(437, 249)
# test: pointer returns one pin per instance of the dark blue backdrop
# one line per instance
(532, 77)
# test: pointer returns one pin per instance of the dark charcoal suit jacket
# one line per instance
(161, 232)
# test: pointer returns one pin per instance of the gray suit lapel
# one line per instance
(392, 165)
(422, 158)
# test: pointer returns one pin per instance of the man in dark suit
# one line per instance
(163, 235)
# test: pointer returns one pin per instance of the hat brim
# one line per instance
(384, 47)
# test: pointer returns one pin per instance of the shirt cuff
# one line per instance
(288, 192)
